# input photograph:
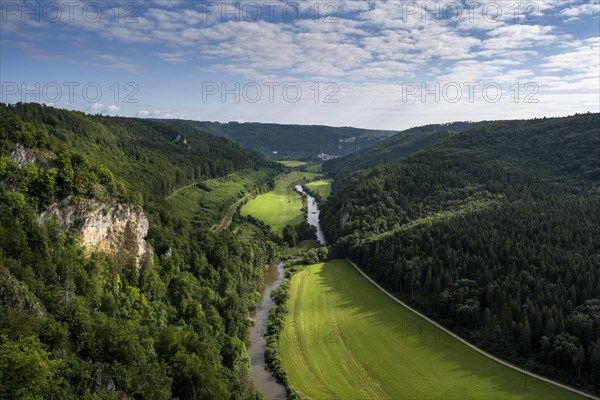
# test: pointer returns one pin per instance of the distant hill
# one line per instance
(493, 231)
(399, 145)
(290, 142)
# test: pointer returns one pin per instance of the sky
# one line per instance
(369, 64)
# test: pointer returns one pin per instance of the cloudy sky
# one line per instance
(372, 64)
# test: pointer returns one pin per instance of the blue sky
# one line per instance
(372, 64)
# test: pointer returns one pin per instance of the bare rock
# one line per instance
(14, 294)
(117, 230)
(102, 379)
(24, 157)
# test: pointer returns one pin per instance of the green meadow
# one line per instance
(209, 200)
(292, 163)
(345, 339)
(283, 205)
(322, 186)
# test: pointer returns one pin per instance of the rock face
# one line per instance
(117, 230)
(102, 380)
(182, 140)
(22, 156)
(344, 216)
(16, 295)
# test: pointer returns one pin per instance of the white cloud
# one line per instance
(591, 8)
(518, 36)
(582, 56)
(167, 3)
(99, 108)
(372, 46)
(481, 71)
(167, 114)
(112, 61)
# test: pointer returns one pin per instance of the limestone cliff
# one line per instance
(117, 230)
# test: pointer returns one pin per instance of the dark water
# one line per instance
(313, 214)
(263, 379)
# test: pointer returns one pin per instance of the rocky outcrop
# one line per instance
(344, 216)
(181, 139)
(24, 156)
(103, 381)
(15, 295)
(117, 230)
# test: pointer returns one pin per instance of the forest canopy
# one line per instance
(492, 231)
(74, 326)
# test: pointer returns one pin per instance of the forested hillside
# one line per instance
(402, 144)
(290, 142)
(76, 326)
(494, 232)
(152, 156)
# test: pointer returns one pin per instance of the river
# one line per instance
(264, 381)
(313, 214)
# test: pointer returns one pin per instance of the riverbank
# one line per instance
(262, 377)
(283, 205)
(266, 368)
(312, 214)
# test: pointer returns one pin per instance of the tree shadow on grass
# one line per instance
(448, 363)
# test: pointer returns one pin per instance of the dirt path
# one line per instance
(488, 355)
(227, 219)
(179, 189)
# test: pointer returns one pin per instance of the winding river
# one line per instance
(264, 381)
(313, 214)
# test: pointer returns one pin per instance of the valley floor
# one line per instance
(344, 338)
(283, 205)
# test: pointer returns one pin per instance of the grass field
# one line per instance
(345, 339)
(210, 203)
(291, 163)
(323, 187)
(283, 205)
(313, 167)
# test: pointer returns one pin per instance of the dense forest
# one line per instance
(153, 157)
(492, 231)
(393, 148)
(78, 326)
(290, 142)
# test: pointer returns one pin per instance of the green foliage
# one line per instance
(491, 231)
(80, 326)
(290, 235)
(395, 147)
(208, 201)
(293, 235)
(55, 170)
(145, 154)
(27, 372)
